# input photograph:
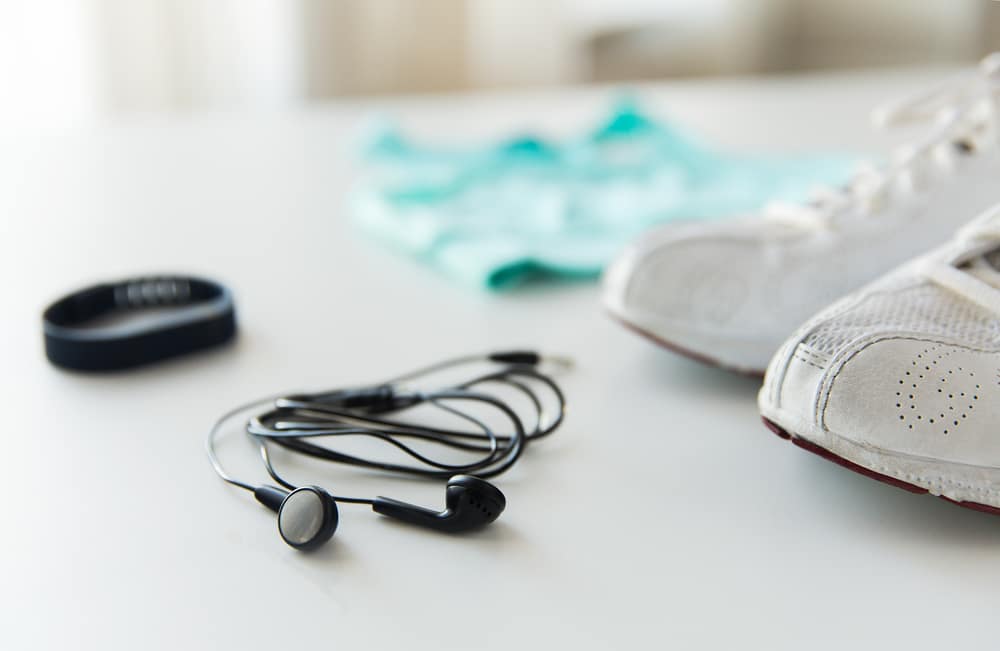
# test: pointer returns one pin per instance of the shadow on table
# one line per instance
(866, 503)
(667, 369)
(861, 502)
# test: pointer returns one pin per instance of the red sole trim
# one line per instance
(684, 352)
(867, 472)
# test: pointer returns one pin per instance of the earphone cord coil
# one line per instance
(374, 412)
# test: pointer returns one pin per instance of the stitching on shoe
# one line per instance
(806, 349)
(938, 480)
(817, 358)
(809, 362)
(787, 351)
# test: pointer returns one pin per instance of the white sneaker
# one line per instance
(729, 292)
(901, 380)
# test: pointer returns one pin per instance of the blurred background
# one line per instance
(67, 62)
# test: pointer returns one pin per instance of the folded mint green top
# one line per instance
(497, 216)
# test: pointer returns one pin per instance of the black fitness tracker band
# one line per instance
(185, 314)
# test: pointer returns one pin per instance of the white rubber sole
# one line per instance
(974, 487)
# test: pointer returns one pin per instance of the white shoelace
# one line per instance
(975, 239)
(964, 107)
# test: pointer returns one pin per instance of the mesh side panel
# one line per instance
(921, 309)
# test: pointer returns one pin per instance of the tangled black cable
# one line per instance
(380, 412)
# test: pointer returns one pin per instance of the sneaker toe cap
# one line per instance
(916, 397)
(682, 276)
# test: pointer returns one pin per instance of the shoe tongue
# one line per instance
(986, 268)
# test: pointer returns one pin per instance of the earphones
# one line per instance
(308, 516)
(498, 413)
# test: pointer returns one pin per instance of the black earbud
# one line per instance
(307, 516)
(470, 502)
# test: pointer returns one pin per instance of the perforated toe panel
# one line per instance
(920, 398)
(936, 396)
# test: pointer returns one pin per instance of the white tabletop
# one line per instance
(662, 515)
